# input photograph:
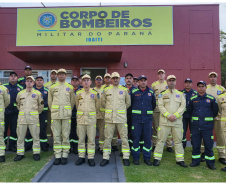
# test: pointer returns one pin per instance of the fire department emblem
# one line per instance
(166, 87)
(208, 101)
(218, 92)
(45, 92)
(92, 95)
(120, 92)
(177, 96)
(33, 95)
(18, 89)
(149, 94)
(47, 20)
(67, 89)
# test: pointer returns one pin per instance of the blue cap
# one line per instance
(135, 78)
(201, 82)
(142, 76)
(187, 80)
(75, 77)
(39, 77)
(27, 67)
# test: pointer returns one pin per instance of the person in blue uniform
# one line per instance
(143, 103)
(22, 80)
(188, 92)
(202, 108)
(11, 111)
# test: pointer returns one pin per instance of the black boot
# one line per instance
(18, 157)
(104, 162)
(222, 160)
(91, 162)
(63, 161)
(169, 149)
(136, 162)
(147, 162)
(2, 159)
(181, 163)
(126, 162)
(80, 161)
(211, 166)
(57, 161)
(36, 157)
(156, 162)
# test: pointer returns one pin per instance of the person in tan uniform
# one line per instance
(30, 104)
(53, 77)
(61, 100)
(100, 112)
(4, 102)
(172, 105)
(114, 142)
(116, 100)
(87, 104)
(159, 86)
(215, 90)
(221, 101)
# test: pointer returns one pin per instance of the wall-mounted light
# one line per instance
(125, 64)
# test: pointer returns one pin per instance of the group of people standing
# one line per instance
(141, 116)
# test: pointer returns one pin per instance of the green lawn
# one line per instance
(24, 170)
(169, 171)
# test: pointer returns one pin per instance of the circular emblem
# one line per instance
(18, 89)
(92, 95)
(47, 20)
(67, 89)
(33, 95)
(218, 92)
(178, 96)
(166, 87)
(45, 92)
(120, 92)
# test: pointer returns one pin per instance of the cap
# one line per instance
(213, 73)
(107, 74)
(201, 82)
(31, 77)
(75, 77)
(81, 76)
(161, 70)
(39, 77)
(115, 74)
(27, 67)
(99, 77)
(142, 77)
(86, 76)
(171, 76)
(13, 73)
(187, 80)
(129, 74)
(135, 78)
(61, 71)
(54, 70)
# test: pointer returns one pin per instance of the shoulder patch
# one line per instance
(20, 86)
(22, 91)
(5, 84)
(46, 89)
(193, 97)
(134, 90)
(209, 96)
(79, 91)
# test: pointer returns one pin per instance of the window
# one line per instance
(4, 76)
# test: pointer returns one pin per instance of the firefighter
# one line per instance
(159, 86)
(27, 72)
(171, 104)
(5, 100)
(116, 100)
(202, 108)
(189, 92)
(11, 112)
(30, 104)
(53, 80)
(214, 89)
(143, 103)
(107, 83)
(100, 112)
(135, 82)
(86, 101)
(61, 100)
(73, 134)
(221, 100)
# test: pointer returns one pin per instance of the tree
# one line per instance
(223, 57)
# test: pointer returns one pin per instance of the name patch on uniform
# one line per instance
(218, 92)
(137, 94)
(208, 101)
(67, 89)
(18, 89)
(45, 92)
(92, 95)
(195, 101)
(177, 96)
(120, 92)
(33, 95)
(166, 87)
(149, 94)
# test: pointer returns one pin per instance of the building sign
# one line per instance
(134, 25)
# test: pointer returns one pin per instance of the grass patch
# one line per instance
(24, 170)
(169, 171)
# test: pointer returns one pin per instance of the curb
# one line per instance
(120, 171)
(43, 171)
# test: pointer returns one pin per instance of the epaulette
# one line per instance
(164, 82)
(179, 92)
(123, 88)
(222, 94)
(150, 91)
(110, 87)
(21, 78)
(3, 87)
(46, 84)
(93, 91)
(54, 85)
(20, 86)
(46, 89)
(154, 83)
(195, 92)
(36, 91)
(79, 91)
(6, 84)
(22, 91)
(165, 91)
(209, 96)
(69, 85)
(193, 97)
(220, 87)
(135, 90)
